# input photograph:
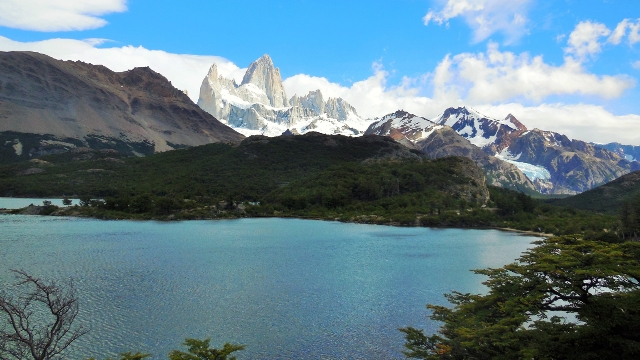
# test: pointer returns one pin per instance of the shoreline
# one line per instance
(67, 212)
(528, 232)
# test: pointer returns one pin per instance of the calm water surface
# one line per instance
(17, 203)
(288, 289)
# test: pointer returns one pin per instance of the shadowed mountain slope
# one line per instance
(607, 198)
(249, 170)
(49, 106)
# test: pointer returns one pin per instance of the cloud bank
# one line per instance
(57, 15)
(494, 82)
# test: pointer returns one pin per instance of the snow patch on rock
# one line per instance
(17, 147)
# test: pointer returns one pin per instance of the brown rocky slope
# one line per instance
(48, 105)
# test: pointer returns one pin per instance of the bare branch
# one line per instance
(52, 332)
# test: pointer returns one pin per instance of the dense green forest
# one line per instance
(216, 171)
(369, 179)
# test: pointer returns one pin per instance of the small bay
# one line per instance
(287, 288)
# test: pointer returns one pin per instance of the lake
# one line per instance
(287, 288)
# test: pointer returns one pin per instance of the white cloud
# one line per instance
(57, 15)
(473, 78)
(636, 64)
(619, 32)
(634, 32)
(497, 76)
(486, 17)
(186, 72)
(584, 40)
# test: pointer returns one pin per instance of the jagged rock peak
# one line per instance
(462, 116)
(461, 111)
(313, 101)
(335, 108)
(213, 72)
(400, 114)
(211, 80)
(266, 77)
(338, 108)
(512, 119)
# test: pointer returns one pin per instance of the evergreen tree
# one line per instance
(594, 285)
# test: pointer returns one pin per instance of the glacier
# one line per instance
(533, 172)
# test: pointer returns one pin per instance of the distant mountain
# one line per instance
(607, 198)
(553, 163)
(629, 152)
(437, 141)
(574, 166)
(403, 127)
(50, 106)
(480, 130)
(556, 164)
(259, 105)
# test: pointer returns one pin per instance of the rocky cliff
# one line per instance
(258, 106)
(266, 77)
(445, 141)
(574, 166)
(48, 105)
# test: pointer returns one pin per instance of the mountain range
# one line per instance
(552, 162)
(51, 106)
(436, 141)
(259, 105)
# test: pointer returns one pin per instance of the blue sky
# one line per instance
(556, 65)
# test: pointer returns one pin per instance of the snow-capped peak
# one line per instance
(479, 129)
(266, 77)
(259, 105)
(402, 124)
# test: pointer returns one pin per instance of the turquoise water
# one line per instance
(288, 289)
(17, 203)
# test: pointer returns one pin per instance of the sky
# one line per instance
(570, 66)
